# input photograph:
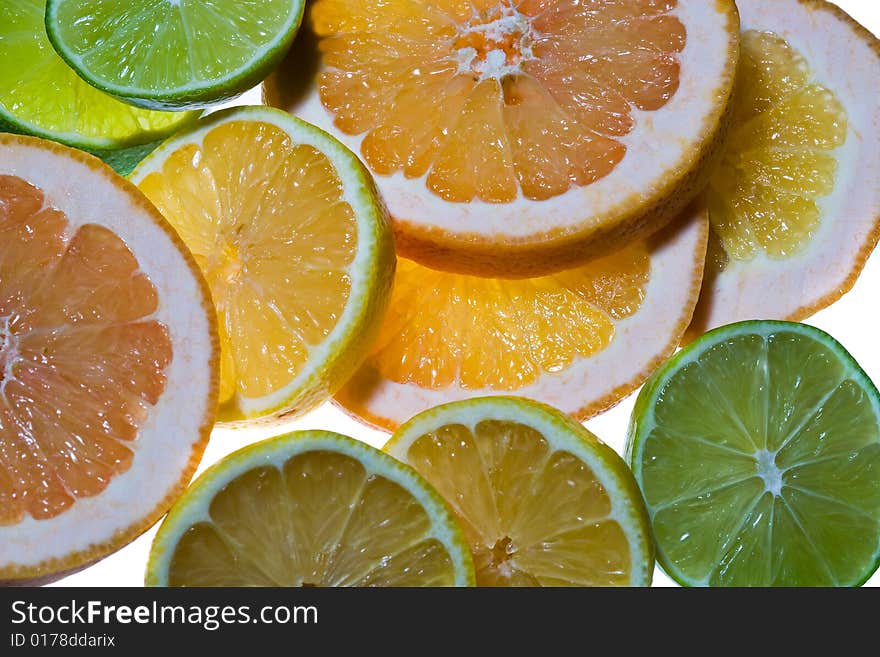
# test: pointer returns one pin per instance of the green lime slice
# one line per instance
(173, 54)
(757, 449)
(40, 95)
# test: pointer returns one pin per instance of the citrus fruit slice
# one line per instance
(108, 361)
(173, 54)
(310, 508)
(794, 207)
(542, 501)
(557, 131)
(285, 223)
(757, 449)
(40, 95)
(580, 340)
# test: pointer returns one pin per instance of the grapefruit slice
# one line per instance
(579, 340)
(108, 360)
(794, 204)
(542, 501)
(286, 225)
(557, 131)
(310, 508)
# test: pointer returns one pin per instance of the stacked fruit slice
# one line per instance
(108, 360)
(794, 209)
(580, 340)
(40, 95)
(310, 509)
(285, 223)
(543, 164)
(547, 144)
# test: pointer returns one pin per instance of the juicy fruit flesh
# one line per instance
(81, 362)
(761, 469)
(529, 97)
(38, 87)
(321, 520)
(161, 45)
(447, 329)
(533, 516)
(266, 221)
(780, 161)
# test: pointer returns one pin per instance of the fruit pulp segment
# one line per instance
(446, 329)
(760, 467)
(533, 516)
(536, 93)
(321, 520)
(781, 160)
(81, 360)
(269, 227)
(160, 45)
(37, 86)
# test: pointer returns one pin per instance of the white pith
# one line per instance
(560, 436)
(361, 268)
(195, 506)
(495, 64)
(768, 471)
(637, 341)
(8, 354)
(840, 60)
(662, 143)
(164, 447)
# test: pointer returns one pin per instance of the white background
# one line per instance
(849, 320)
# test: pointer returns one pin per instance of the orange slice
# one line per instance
(519, 137)
(794, 204)
(108, 360)
(579, 340)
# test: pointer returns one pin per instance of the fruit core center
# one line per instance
(225, 266)
(502, 552)
(769, 471)
(494, 43)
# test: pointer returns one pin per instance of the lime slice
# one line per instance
(310, 508)
(757, 449)
(173, 54)
(40, 95)
(542, 501)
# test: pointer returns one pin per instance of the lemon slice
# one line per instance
(310, 508)
(542, 501)
(286, 225)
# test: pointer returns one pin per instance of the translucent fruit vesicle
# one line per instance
(780, 160)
